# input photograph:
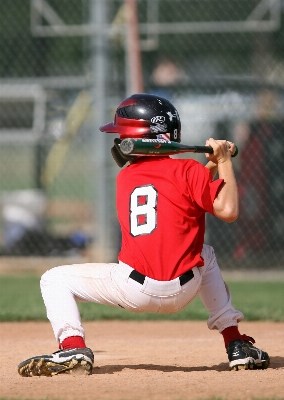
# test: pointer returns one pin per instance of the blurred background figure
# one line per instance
(262, 149)
(22, 211)
(26, 232)
(168, 73)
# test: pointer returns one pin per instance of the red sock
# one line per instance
(231, 333)
(73, 342)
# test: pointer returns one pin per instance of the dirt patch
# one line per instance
(144, 360)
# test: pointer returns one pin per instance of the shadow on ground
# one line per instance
(275, 362)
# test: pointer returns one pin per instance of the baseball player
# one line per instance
(163, 263)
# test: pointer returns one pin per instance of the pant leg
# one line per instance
(102, 283)
(62, 286)
(215, 294)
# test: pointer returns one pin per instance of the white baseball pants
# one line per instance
(110, 284)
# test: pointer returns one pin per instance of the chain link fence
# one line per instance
(64, 67)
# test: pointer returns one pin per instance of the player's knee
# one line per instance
(50, 276)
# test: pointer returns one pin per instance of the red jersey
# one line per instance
(161, 204)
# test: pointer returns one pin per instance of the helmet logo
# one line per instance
(159, 119)
(171, 116)
(159, 124)
(158, 128)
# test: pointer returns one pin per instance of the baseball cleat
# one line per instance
(70, 361)
(243, 355)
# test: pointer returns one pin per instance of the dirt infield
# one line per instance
(143, 361)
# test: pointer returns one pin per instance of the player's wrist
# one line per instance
(224, 160)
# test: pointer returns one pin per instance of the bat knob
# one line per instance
(236, 152)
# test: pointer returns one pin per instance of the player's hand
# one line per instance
(223, 150)
(232, 148)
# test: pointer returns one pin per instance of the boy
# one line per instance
(163, 263)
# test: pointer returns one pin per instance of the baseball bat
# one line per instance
(159, 147)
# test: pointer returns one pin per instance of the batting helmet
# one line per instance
(145, 116)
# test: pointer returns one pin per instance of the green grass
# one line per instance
(21, 300)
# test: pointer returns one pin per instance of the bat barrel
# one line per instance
(149, 147)
(159, 147)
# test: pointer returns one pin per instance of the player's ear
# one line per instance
(120, 158)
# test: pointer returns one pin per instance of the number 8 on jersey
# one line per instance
(143, 210)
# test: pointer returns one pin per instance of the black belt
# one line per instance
(140, 278)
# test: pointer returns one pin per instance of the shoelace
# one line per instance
(246, 338)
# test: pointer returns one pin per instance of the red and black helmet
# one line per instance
(145, 116)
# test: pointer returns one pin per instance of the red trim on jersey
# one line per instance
(161, 204)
